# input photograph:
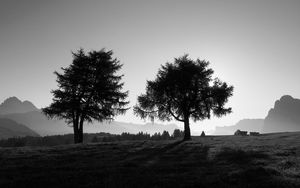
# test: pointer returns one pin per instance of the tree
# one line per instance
(89, 89)
(182, 90)
(202, 134)
(177, 133)
(165, 135)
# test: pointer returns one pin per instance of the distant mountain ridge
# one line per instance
(27, 114)
(14, 105)
(9, 128)
(38, 122)
(284, 117)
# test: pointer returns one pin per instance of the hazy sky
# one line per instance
(252, 45)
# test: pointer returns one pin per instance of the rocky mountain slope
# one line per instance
(284, 117)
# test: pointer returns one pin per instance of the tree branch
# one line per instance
(176, 117)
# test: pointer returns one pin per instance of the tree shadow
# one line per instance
(147, 154)
(247, 168)
(239, 156)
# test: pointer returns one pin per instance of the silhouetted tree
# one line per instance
(94, 139)
(177, 133)
(165, 135)
(202, 134)
(183, 90)
(156, 136)
(89, 89)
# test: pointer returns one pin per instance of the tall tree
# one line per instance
(182, 90)
(89, 89)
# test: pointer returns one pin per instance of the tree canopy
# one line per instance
(182, 90)
(89, 89)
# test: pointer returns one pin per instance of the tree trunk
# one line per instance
(80, 135)
(187, 131)
(75, 129)
(80, 130)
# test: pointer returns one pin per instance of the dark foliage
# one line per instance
(177, 133)
(88, 138)
(202, 134)
(182, 90)
(89, 89)
(142, 136)
(37, 141)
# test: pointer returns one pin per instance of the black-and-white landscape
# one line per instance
(149, 93)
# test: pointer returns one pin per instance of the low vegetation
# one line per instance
(271, 160)
(88, 138)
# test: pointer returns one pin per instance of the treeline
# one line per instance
(88, 138)
(140, 136)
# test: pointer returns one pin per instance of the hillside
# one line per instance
(9, 129)
(27, 114)
(38, 122)
(271, 160)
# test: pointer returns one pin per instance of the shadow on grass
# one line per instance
(147, 154)
(239, 156)
(176, 164)
(242, 169)
(143, 164)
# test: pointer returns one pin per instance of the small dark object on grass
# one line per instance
(202, 134)
(254, 133)
(240, 133)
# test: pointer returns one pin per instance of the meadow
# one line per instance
(270, 160)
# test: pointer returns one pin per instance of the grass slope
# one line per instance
(271, 160)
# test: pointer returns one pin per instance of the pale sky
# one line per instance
(252, 45)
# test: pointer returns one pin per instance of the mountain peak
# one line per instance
(11, 100)
(286, 98)
(284, 116)
(14, 105)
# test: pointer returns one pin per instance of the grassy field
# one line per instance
(271, 160)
